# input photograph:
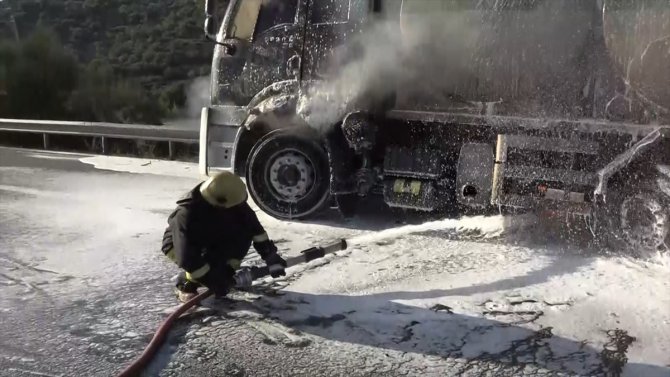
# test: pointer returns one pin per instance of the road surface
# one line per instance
(83, 286)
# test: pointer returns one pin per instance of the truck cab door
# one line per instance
(276, 49)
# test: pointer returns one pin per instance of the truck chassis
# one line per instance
(617, 175)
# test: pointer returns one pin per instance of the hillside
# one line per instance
(157, 46)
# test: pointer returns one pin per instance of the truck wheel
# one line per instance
(644, 223)
(288, 175)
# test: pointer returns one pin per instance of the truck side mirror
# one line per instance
(210, 26)
(210, 7)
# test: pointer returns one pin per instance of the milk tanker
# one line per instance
(480, 106)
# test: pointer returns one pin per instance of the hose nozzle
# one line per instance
(247, 275)
(335, 246)
(321, 251)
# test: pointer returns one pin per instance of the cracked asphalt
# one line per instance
(209, 344)
(83, 287)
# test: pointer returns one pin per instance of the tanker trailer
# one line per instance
(638, 40)
(565, 59)
(435, 105)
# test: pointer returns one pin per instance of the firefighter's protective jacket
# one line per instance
(199, 235)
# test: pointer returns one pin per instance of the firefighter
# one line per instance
(210, 232)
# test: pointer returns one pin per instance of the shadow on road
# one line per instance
(376, 321)
(510, 339)
(557, 267)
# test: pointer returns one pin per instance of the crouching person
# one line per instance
(210, 232)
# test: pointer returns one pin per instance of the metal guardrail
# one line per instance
(103, 130)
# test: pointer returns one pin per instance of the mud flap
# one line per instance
(474, 177)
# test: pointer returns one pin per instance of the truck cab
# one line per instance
(267, 53)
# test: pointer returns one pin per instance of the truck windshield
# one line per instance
(244, 20)
(256, 16)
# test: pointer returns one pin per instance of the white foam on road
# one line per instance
(109, 228)
(390, 281)
(55, 155)
(30, 191)
(386, 289)
(143, 166)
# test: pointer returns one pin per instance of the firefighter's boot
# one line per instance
(185, 289)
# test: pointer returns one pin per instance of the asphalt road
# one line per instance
(83, 286)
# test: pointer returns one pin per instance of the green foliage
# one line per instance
(42, 80)
(40, 75)
(137, 39)
(100, 96)
(139, 53)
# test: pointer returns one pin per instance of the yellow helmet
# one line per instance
(224, 190)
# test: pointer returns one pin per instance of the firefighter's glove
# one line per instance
(276, 264)
(265, 248)
(268, 251)
(220, 280)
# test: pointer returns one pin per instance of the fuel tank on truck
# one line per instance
(638, 39)
(539, 58)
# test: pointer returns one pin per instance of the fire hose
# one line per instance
(243, 278)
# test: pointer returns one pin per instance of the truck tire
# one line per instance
(644, 223)
(288, 175)
(636, 223)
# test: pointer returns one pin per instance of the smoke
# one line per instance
(534, 58)
(197, 96)
(356, 75)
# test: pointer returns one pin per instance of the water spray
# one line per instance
(487, 226)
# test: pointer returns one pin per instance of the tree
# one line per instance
(7, 55)
(40, 77)
(103, 97)
(42, 80)
(150, 48)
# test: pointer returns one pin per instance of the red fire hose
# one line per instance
(136, 366)
(243, 278)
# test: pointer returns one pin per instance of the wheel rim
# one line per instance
(291, 175)
(644, 222)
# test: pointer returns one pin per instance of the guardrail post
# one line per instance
(103, 142)
(171, 150)
(45, 141)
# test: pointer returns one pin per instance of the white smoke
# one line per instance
(197, 96)
(364, 69)
(435, 56)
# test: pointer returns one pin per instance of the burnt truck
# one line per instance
(481, 105)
